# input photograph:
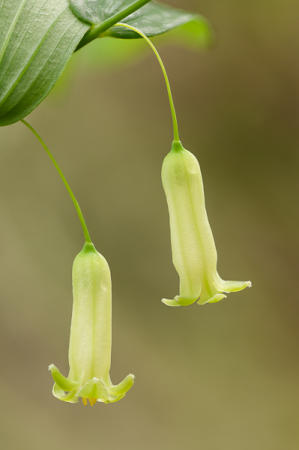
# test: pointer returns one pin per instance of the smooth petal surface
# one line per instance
(193, 247)
(90, 338)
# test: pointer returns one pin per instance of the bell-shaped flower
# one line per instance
(193, 248)
(90, 338)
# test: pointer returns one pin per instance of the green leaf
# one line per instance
(153, 18)
(97, 11)
(37, 38)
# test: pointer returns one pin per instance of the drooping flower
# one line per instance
(90, 338)
(193, 248)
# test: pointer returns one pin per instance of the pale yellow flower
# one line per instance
(90, 339)
(193, 248)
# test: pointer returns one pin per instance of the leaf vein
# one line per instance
(32, 56)
(16, 49)
(46, 62)
(11, 29)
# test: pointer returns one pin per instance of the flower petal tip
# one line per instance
(178, 301)
(226, 288)
(118, 391)
(95, 390)
(215, 299)
(235, 286)
(169, 302)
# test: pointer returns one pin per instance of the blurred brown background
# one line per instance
(223, 376)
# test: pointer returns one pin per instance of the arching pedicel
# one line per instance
(38, 38)
(193, 248)
(90, 339)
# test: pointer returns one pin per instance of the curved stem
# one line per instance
(74, 200)
(176, 136)
(97, 29)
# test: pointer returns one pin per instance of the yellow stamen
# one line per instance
(84, 401)
(92, 401)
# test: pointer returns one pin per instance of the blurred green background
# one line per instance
(223, 376)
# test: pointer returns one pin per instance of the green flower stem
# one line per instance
(98, 29)
(74, 200)
(176, 136)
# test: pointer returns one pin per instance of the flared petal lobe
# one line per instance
(90, 337)
(193, 248)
